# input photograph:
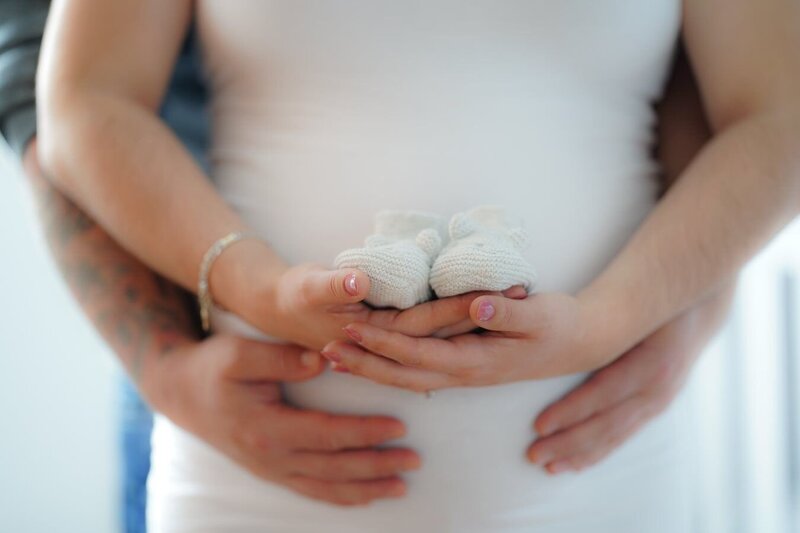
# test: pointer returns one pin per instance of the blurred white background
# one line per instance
(58, 462)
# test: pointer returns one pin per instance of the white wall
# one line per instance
(57, 441)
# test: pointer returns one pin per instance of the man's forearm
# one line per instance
(141, 315)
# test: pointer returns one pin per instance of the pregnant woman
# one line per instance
(327, 112)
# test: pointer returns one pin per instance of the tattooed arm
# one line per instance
(223, 389)
(141, 315)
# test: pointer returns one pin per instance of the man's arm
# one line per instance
(214, 387)
(139, 314)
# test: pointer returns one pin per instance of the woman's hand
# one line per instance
(305, 304)
(309, 305)
(540, 336)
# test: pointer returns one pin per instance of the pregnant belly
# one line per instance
(312, 200)
(474, 477)
(472, 440)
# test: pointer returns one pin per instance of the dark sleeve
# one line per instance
(21, 27)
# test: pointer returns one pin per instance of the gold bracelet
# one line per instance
(203, 292)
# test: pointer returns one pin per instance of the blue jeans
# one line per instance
(135, 427)
(184, 111)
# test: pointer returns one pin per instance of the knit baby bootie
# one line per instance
(398, 257)
(484, 254)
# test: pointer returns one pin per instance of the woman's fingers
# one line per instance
(427, 353)
(465, 326)
(353, 465)
(350, 492)
(589, 441)
(352, 359)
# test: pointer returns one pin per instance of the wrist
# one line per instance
(244, 278)
(608, 328)
(163, 383)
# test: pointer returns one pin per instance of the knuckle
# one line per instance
(334, 286)
(505, 315)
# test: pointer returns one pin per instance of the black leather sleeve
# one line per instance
(21, 27)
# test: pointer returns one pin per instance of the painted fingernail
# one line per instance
(309, 359)
(558, 467)
(331, 356)
(339, 367)
(350, 284)
(485, 310)
(353, 334)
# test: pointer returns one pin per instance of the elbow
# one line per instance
(67, 121)
(55, 134)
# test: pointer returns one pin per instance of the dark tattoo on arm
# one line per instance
(141, 315)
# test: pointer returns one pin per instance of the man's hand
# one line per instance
(594, 419)
(225, 390)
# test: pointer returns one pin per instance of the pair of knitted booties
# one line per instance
(414, 254)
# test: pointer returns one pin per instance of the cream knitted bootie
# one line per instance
(398, 257)
(484, 254)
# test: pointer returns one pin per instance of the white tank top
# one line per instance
(326, 112)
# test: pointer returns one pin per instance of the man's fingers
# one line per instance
(253, 360)
(330, 287)
(605, 388)
(350, 492)
(303, 430)
(593, 438)
(425, 318)
(353, 465)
